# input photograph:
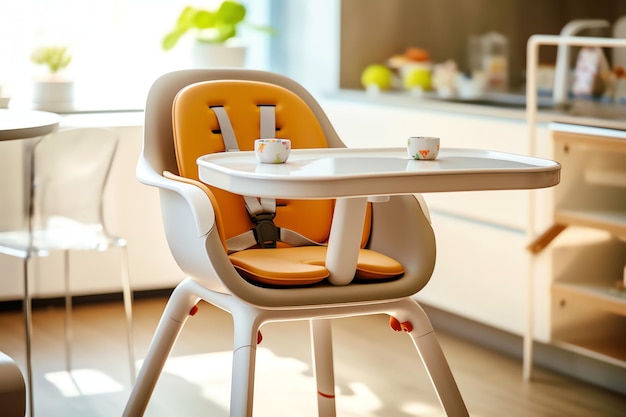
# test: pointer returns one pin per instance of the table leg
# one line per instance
(29, 193)
(345, 239)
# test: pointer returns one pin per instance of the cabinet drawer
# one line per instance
(481, 272)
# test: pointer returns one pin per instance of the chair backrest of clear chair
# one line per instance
(70, 171)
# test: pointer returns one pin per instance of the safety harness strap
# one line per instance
(256, 205)
(248, 239)
(268, 122)
(226, 128)
(261, 210)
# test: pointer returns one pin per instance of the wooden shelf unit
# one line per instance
(588, 297)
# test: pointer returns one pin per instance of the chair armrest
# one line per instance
(197, 200)
(401, 229)
(423, 206)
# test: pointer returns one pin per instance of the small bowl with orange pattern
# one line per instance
(272, 151)
(423, 147)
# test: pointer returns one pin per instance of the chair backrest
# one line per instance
(159, 151)
(197, 132)
(70, 170)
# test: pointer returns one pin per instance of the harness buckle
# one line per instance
(265, 231)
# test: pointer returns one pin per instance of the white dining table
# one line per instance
(26, 124)
(355, 176)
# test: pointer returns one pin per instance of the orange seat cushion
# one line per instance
(305, 265)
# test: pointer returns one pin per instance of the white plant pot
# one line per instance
(50, 94)
(211, 55)
(4, 101)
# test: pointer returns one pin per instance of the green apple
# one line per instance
(378, 75)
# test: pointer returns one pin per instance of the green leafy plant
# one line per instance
(54, 57)
(215, 26)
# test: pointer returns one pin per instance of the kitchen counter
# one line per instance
(583, 113)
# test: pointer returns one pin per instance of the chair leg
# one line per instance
(128, 309)
(28, 323)
(68, 311)
(440, 375)
(172, 321)
(321, 338)
(244, 361)
(427, 345)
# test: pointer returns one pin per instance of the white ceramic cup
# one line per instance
(422, 147)
(272, 151)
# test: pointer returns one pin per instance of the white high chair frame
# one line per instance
(400, 229)
(248, 319)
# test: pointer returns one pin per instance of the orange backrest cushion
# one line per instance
(197, 132)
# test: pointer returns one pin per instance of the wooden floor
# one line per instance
(378, 373)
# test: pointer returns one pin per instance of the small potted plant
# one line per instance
(53, 88)
(214, 32)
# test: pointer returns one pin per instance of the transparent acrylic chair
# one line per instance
(181, 123)
(68, 174)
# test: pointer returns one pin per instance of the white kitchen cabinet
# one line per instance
(481, 272)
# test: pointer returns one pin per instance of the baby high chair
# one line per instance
(263, 261)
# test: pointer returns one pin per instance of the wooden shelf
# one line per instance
(596, 296)
(613, 221)
(592, 321)
(610, 350)
(612, 140)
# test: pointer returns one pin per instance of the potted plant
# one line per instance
(214, 32)
(53, 88)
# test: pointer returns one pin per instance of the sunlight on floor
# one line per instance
(282, 385)
(420, 409)
(82, 382)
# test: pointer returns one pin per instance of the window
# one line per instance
(116, 45)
